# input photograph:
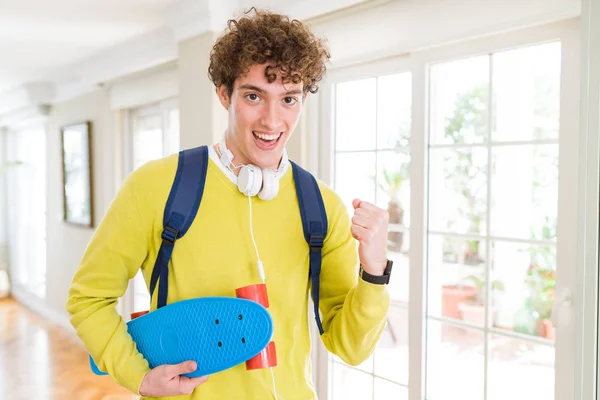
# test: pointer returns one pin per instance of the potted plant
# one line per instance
(541, 280)
(391, 184)
(473, 309)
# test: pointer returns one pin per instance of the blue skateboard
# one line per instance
(216, 332)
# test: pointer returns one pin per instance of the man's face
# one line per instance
(262, 116)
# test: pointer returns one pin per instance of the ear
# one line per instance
(223, 96)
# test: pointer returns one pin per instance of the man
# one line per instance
(263, 67)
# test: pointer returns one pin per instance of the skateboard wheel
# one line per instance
(139, 314)
(256, 293)
(268, 356)
(265, 359)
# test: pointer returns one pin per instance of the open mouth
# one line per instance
(266, 141)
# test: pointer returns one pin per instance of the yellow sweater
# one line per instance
(215, 257)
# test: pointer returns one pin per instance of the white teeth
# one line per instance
(267, 137)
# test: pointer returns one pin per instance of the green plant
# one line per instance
(541, 281)
(391, 184)
(541, 273)
(393, 179)
(468, 124)
(8, 165)
(480, 284)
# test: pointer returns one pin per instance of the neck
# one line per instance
(238, 158)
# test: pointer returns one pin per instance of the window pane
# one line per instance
(456, 272)
(527, 276)
(355, 115)
(393, 190)
(351, 384)
(391, 355)
(385, 390)
(173, 135)
(525, 191)
(147, 139)
(355, 177)
(455, 363)
(394, 99)
(365, 366)
(141, 296)
(25, 172)
(398, 287)
(393, 195)
(459, 101)
(519, 370)
(527, 93)
(458, 190)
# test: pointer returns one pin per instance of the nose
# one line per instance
(270, 118)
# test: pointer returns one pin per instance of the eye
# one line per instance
(290, 100)
(252, 97)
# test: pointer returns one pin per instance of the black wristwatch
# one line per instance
(376, 279)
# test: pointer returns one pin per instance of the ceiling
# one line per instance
(39, 39)
(58, 41)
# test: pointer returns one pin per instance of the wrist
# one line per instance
(377, 269)
(382, 277)
(142, 388)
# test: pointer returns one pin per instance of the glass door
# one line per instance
(492, 234)
(371, 159)
(463, 151)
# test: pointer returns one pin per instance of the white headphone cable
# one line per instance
(261, 272)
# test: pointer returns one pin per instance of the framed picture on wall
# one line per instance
(77, 174)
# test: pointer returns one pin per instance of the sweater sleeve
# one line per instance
(113, 257)
(353, 311)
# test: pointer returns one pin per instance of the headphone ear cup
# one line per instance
(270, 185)
(249, 180)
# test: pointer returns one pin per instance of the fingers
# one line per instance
(368, 219)
(179, 369)
(360, 220)
(187, 385)
(361, 234)
(365, 205)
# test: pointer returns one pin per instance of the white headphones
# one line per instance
(251, 180)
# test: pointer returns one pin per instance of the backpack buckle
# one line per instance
(169, 235)
(315, 242)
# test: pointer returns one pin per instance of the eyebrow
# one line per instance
(259, 90)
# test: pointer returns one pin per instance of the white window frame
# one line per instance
(163, 108)
(417, 63)
(585, 298)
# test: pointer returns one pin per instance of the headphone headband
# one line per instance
(251, 180)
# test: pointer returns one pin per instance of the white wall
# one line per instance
(402, 26)
(202, 117)
(65, 243)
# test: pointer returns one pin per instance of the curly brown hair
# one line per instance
(289, 47)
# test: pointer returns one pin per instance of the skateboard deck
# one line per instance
(216, 332)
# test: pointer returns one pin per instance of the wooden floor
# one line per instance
(43, 361)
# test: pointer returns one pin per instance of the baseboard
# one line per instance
(38, 305)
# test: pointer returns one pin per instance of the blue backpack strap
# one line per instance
(314, 223)
(180, 211)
